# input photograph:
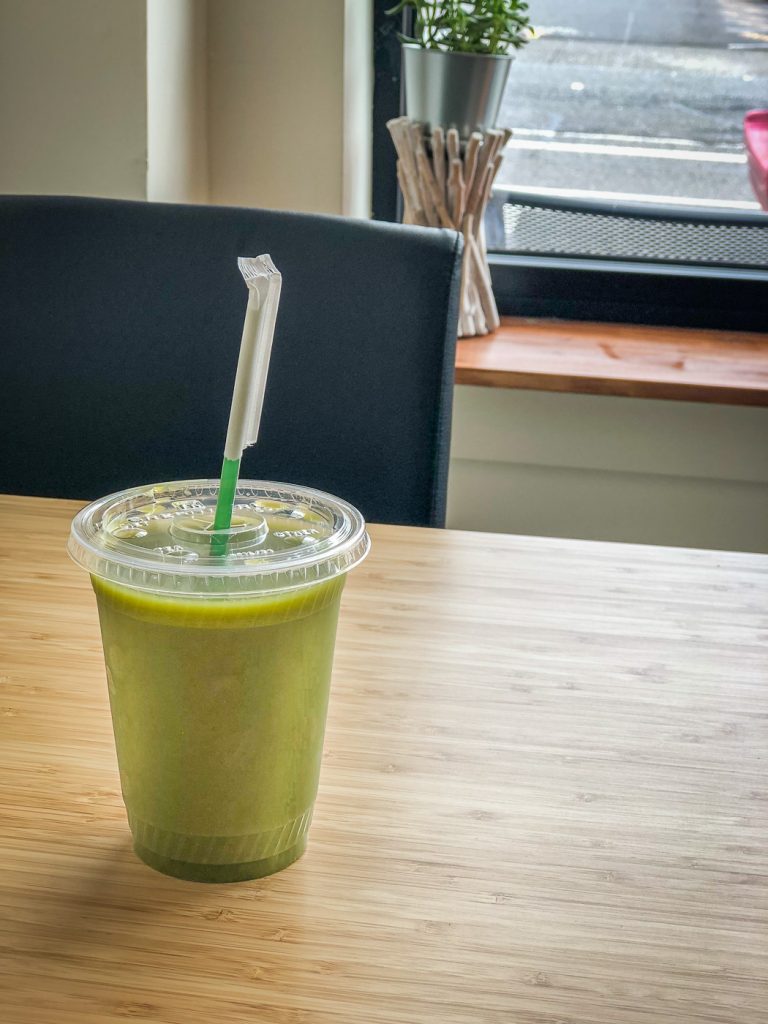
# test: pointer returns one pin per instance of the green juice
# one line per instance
(219, 647)
(219, 710)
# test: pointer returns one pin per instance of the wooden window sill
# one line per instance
(726, 367)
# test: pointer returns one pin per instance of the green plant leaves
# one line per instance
(468, 26)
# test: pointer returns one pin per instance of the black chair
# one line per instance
(120, 325)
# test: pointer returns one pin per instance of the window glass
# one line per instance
(637, 100)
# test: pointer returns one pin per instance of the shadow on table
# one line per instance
(102, 896)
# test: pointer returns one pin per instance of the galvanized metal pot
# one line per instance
(459, 90)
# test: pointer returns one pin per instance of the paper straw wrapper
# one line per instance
(264, 282)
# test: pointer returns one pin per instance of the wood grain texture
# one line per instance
(543, 801)
(726, 367)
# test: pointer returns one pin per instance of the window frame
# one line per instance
(575, 288)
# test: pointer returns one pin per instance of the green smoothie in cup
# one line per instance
(219, 666)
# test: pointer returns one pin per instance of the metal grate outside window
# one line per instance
(554, 227)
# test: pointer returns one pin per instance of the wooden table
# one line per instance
(544, 801)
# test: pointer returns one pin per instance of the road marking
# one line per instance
(599, 149)
(557, 30)
(551, 133)
(628, 29)
(633, 197)
(755, 37)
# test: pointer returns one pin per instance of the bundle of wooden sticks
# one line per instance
(446, 183)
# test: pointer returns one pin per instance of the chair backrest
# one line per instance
(120, 326)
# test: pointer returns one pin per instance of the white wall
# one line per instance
(240, 102)
(605, 468)
(283, 126)
(73, 97)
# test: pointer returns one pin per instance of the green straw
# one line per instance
(222, 520)
(264, 283)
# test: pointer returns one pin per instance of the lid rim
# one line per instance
(279, 571)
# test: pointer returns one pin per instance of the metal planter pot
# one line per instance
(459, 90)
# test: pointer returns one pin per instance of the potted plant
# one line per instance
(457, 61)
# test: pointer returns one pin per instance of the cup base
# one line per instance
(244, 872)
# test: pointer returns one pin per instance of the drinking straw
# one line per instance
(264, 282)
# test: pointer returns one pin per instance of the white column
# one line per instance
(358, 108)
(177, 134)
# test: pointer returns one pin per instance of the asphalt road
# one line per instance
(658, 22)
(637, 98)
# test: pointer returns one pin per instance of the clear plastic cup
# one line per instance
(218, 665)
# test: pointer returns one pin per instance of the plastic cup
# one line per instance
(218, 666)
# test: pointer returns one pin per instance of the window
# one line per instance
(626, 100)
(624, 193)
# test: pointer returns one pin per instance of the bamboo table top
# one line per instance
(544, 800)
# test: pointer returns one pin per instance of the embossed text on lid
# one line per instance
(158, 538)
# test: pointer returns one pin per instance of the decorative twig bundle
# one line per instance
(445, 187)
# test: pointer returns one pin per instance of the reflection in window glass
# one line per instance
(637, 100)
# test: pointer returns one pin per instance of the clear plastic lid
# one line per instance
(159, 538)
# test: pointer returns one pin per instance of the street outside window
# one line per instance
(637, 100)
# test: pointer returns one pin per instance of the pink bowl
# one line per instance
(756, 140)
